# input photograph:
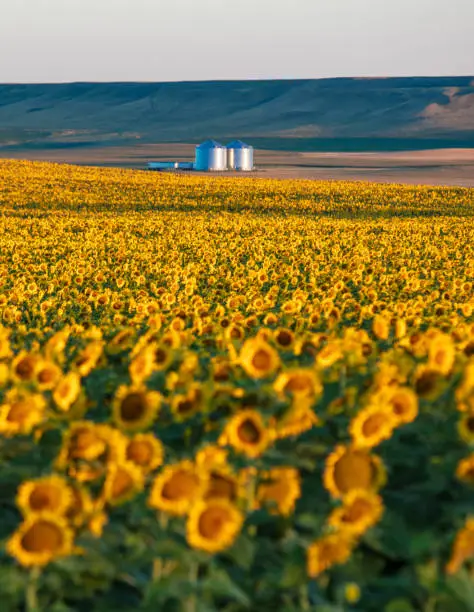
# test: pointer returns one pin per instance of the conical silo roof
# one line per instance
(238, 144)
(210, 144)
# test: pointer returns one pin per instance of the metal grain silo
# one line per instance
(239, 156)
(211, 155)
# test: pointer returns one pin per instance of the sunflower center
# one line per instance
(211, 522)
(249, 433)
(298, 382)
(357, 510)
(222, 486)
(42, 537)
(426, 383)
(24, 368)
(399, 405)
(133, 407)
(44, 497)
(180, 485)
(19, 412)
(470, 424)
(46, 375)
(121, 484)
(373, 424)
(261, 360)
(185, 407)
(160, 356)
(84, 440)
(354, 470)
(139, 452)
(284, 338)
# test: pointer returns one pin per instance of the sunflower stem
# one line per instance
(191, 602)
(304, 598)
(31, 595)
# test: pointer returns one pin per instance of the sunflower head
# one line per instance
(348, 468)
(463, 547)
(135, 408)
(21, 412)
(146, 451)
(466, 427)
(360, 510)
(299, 417)
(23, 368)
(330, 550)
(47, 374)
(178, 487)
(122, 482)
(51, 494)
(371, 425)
(279, 490)
(298, 382)
(465, 470)
(40, 539)
(67, 391)
(213, 525)
(246, 432)
(258, 358)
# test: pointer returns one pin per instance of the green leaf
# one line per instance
(221, 585)
(399, 605)
(462, 587)
(242, 552)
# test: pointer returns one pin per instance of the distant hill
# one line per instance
(323, 114)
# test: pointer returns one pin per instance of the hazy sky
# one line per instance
(174, 40)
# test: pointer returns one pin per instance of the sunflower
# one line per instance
(41, 538)
(360, 510)
(441, 354)
(47, 374)
(122, 482)
(146, 451)
(465, 469)
(284, 338)
(381, 327)
(466, 427)
(403, 402)
(298, 382)
(81, 505)
(300, 417)
(141, 367)
(211, 456)
(51, 494)
(223, 484)
(186, 405)
(21, 412)
(463, 548)
(23, 367)
(371, 426)
(258, 358)
(333, 549)
(329, 354)
(5, 349)
(247, 433)
(67, 391)
(135, 407)
(348, 468)
(280, 489)
(83, 440)
(429, 382)
(213, 525)
(178, 487)
(87, 359)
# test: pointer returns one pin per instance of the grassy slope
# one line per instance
(340, 114)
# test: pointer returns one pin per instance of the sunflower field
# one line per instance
(234, 394)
